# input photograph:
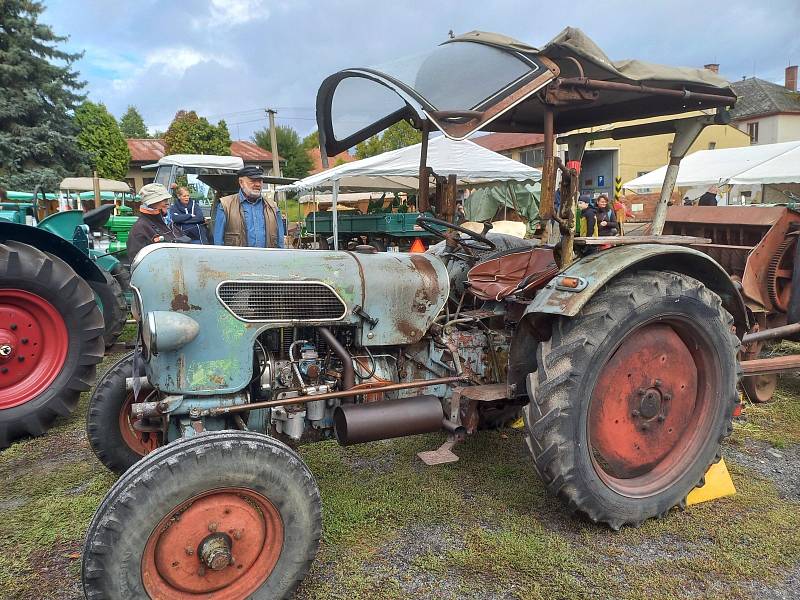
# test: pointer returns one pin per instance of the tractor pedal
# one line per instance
(442, 455)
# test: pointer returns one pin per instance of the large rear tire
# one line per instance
(113, 305)
(51, 335)
(633, 396)
(226, 515)
(116, 440)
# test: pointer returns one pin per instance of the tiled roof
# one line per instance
(316, 166)
(759, 97)
(499, 142)
(150, 150)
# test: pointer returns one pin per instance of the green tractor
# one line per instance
(61, 306)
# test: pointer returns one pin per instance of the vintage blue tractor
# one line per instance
(622, 359)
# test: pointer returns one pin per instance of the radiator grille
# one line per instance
(281, 301)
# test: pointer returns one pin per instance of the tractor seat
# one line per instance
(97, 217)
(518, 270)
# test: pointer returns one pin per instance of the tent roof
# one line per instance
(85, 184)
(769, 163)
(398, 170)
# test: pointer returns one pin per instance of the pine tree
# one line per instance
(191, 134)
(102, 140)
(132, 124)
(39, 89)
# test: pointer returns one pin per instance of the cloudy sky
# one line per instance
(229, 59)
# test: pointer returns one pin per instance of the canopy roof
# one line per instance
(770, 163)
(398, 170)
(86, 184)
(489, 81)
(205, 161)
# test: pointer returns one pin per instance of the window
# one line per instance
(712, 145)
(752, 131)
(532, 158)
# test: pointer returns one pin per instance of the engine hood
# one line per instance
(234, 294)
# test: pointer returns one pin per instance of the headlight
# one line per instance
(164, 331)
(136, 305)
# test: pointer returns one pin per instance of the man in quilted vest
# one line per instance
(246, 218)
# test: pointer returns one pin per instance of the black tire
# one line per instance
(115, 309)
(108, 400)
(23, 267)
(649, 309)
(123, 277)
(378, 244)
(165, 479)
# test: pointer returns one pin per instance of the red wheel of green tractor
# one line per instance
(633, 396)
(50, 340)
(227, 515)
(118, 441)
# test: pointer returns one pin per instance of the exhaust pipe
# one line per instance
(359, 423)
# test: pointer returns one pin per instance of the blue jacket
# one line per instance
(254, 223)
(190, 219)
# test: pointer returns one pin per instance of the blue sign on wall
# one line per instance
(601, 181)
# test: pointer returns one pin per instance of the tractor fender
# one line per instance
(598, 269)
(50, 242)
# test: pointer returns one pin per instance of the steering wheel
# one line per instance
(481, 241)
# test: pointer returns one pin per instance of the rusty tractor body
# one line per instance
(620, 353)
(757, 246)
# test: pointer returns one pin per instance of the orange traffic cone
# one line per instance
(417, 246)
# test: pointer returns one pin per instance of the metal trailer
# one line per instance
(622, 360)
(380, 230)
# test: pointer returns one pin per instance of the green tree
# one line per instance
(298, 163)
(311, 141)
(191, 134)
(132, 124)
(39, 89)
(99, 136)
(397, 136)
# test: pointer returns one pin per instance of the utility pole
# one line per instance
(273, 143)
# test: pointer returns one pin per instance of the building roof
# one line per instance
(316, 160)
(758, 97)
(150, 150)
(499, 142)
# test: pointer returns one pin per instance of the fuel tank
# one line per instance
(236, 293)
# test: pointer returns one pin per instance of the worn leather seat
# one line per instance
(515, 270)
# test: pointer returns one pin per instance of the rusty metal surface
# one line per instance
(641, 239)
(761, 216)
(779, 364)
(359, 423)
(598, 269)
(484, 393)
(772, 334)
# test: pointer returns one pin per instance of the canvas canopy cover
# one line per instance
(398, 170)
(86, 184)
(488, 81)
(770, 163)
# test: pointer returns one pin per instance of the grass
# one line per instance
(483, 527)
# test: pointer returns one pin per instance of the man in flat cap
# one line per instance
(247, 219)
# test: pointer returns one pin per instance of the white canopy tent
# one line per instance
(398, 170)
(86, 184)
(206, 161)
(770, 163)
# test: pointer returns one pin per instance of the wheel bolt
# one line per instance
(645, 426)
(661, 418)
(657, 383)
(24, 340)
(5, 349)
(641, 391)
(21, 358)
(635, 413)
(212, 527)
(201, 571)
(13, 327)
(4, 370)
(189, 551)
(667, 397)
(237, 535)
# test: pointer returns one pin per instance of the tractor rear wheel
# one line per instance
(118, 441)
(633, 396)
(51, 338)
(112, 303)
(226, 515)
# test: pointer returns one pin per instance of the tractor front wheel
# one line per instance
(116, 439)
(227, 515)
(50, 340)
(633, 397)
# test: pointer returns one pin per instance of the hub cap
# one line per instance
(33, 346)
(226, 542)
(649, 408)
(140, 437)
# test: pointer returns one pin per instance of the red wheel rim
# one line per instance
(33, 346)
(141, 442)
(652, 403)
(224, 543)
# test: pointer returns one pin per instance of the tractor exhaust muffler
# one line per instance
(359, 423)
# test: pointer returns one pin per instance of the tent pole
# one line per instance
(316, 211)
(335, 214)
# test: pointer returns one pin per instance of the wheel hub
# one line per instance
(651, 404)
(225, 542)
(33, 346)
